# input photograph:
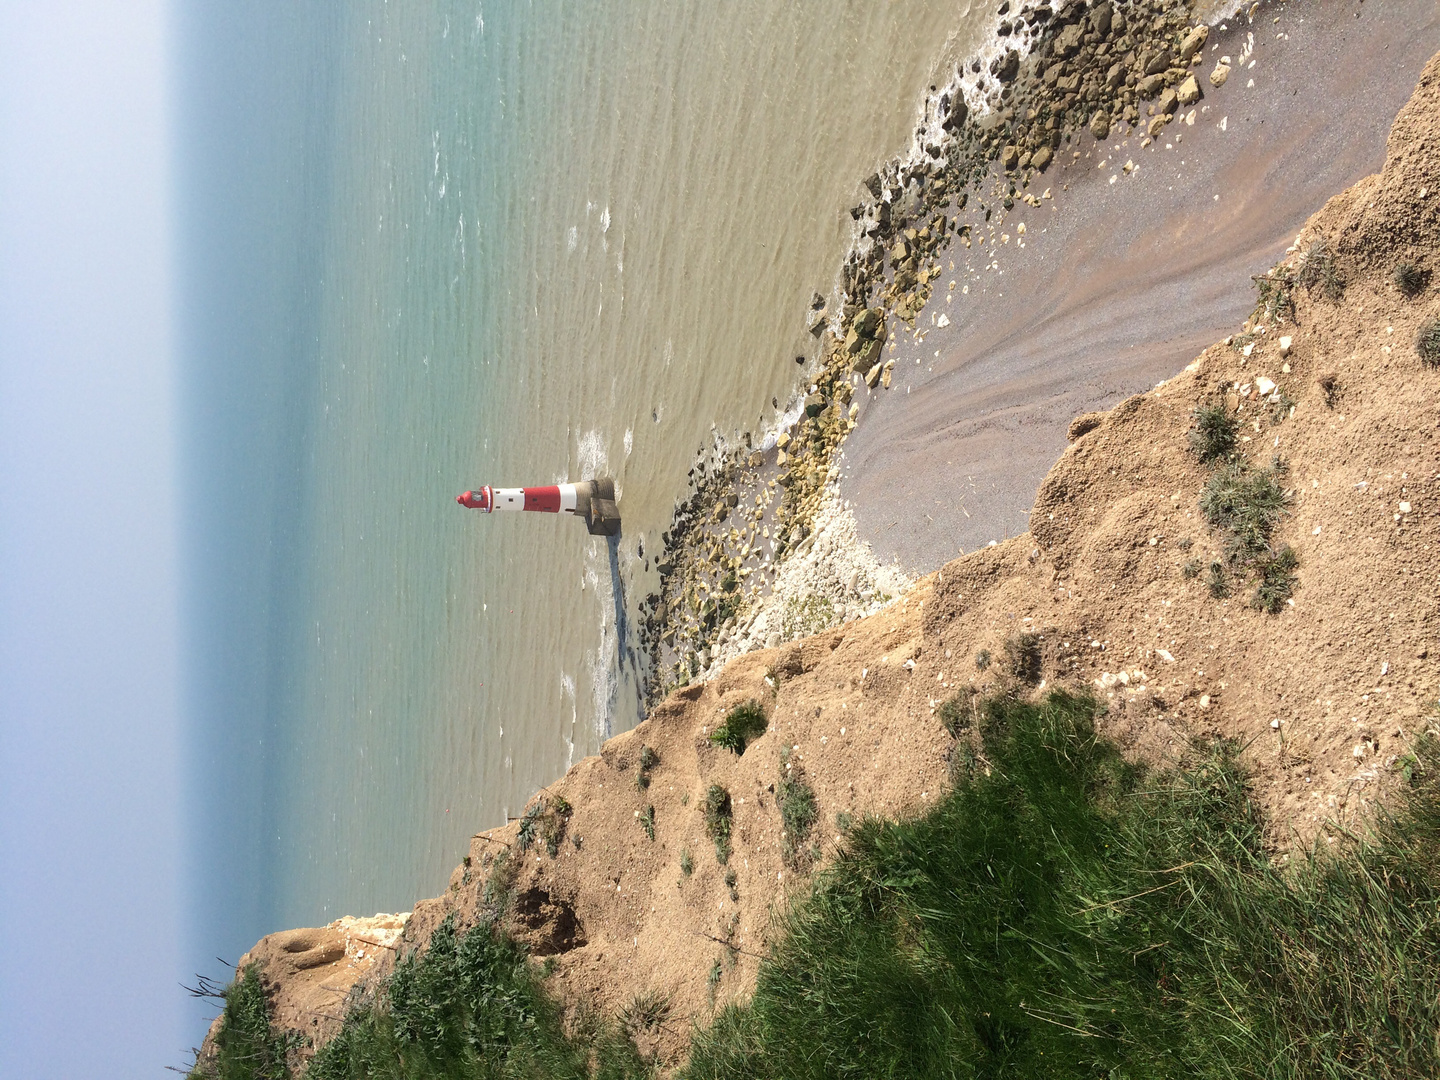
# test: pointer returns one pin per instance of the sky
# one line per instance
(91, 823)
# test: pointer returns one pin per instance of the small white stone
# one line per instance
(1285, 346)
(1404, 508)
(1265, 386)
(1275, 724)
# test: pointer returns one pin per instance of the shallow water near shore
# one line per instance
(474, 245)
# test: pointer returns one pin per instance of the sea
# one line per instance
(432, 245)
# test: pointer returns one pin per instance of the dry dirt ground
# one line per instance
(1348, 671)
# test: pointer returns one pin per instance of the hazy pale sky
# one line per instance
(90, 811)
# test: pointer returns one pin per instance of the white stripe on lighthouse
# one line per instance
(507, 499)
(567, 498)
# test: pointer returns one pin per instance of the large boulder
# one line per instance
(1193, 42)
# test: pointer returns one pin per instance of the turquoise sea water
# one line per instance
(431, 246)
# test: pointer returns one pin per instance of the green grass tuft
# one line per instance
(956, 713)
(743, 724)
(1022, 657)
(1409, 279)
(1215, 435)
(1427, 342)
(1277, 580)
(646, 818)
(1246, 504)
(1318, 271)
(687, 862)
(247, 1047)
(719, 816)
(1062, 914)
(798, 813)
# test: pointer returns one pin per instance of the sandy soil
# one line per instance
(1119, 286)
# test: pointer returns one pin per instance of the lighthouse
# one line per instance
(593, 500)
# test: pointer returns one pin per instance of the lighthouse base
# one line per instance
(602, 516)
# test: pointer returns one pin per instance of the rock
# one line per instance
(1115, 76)
(1068, 84)
(782, 440)
(853, 341)
(1219, 75)
(1188, 93)
(1167, 101)
(1007, 67)
(872, 183)
(1193, 42)
(1157, 124)
(817, 322)
(867, 356)
(1101, 18)
(1068, 41)
(814, 405)
(872, 377)
(1042, 158)
(867, 322)
(886, 373)
(1285, 343)
(959, 111)
(1010, 157)
(1149, 86)
(1158, 63)
(1100, 125)
(1264, 386)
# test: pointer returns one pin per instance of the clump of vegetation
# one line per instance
(743, 724)
(247, 1047)
(687, 862)
(982, 659)
(1275, 301)
(1276, 580)
(956, 712)
(529, 830)
(1022, 657)
(648, 760)
(646, 818)
(1064, 913)
(1317, 271)
(1191, 569)
(798, 813)
(1409, 279)
(1217, 581)
(1427, 342)
(1246, 504)
(719, 817)
(472, 1006)
(1215, 435)
(731, 882)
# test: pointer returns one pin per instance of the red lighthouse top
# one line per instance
(475, 500)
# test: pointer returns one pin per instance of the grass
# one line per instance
(1022, 657)
(1275, 297)
(1409, 279)
(1245, 503)
(247, 1046)
(1276, 580)
(1063, 914)
(1191, 569)
(805, 616)
(1427, 342)
(798, 814)
(719, 817)
(646, 818)
(743, 723)
(982, 659)
(1217, 581)
(471, 1005)
(1317, 271)
(1215, 435)
(649, 759)
(687, 862)
(956, 712)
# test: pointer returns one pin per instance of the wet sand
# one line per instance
(1120, 285)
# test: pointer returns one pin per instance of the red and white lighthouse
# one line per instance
(593, 500)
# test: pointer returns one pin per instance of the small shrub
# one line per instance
(530, 823)
(1280, 404)
(742, 724)
(646, 818)
(687, 862)
(1191, 569)
(1186, 544)
(1246, 503)
(843, 821)
(719, 817)
(1275, 301)
(1215, 435)
(982, 659)
(798, 811)
(1409, 279)
(1277, 580)
(1022, 657)
(648, 760)
(1427, 344)
(1317, 272)
(731, 880)
(646, 1013)
(246, 1045)
(712, 981)
(957, 712)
